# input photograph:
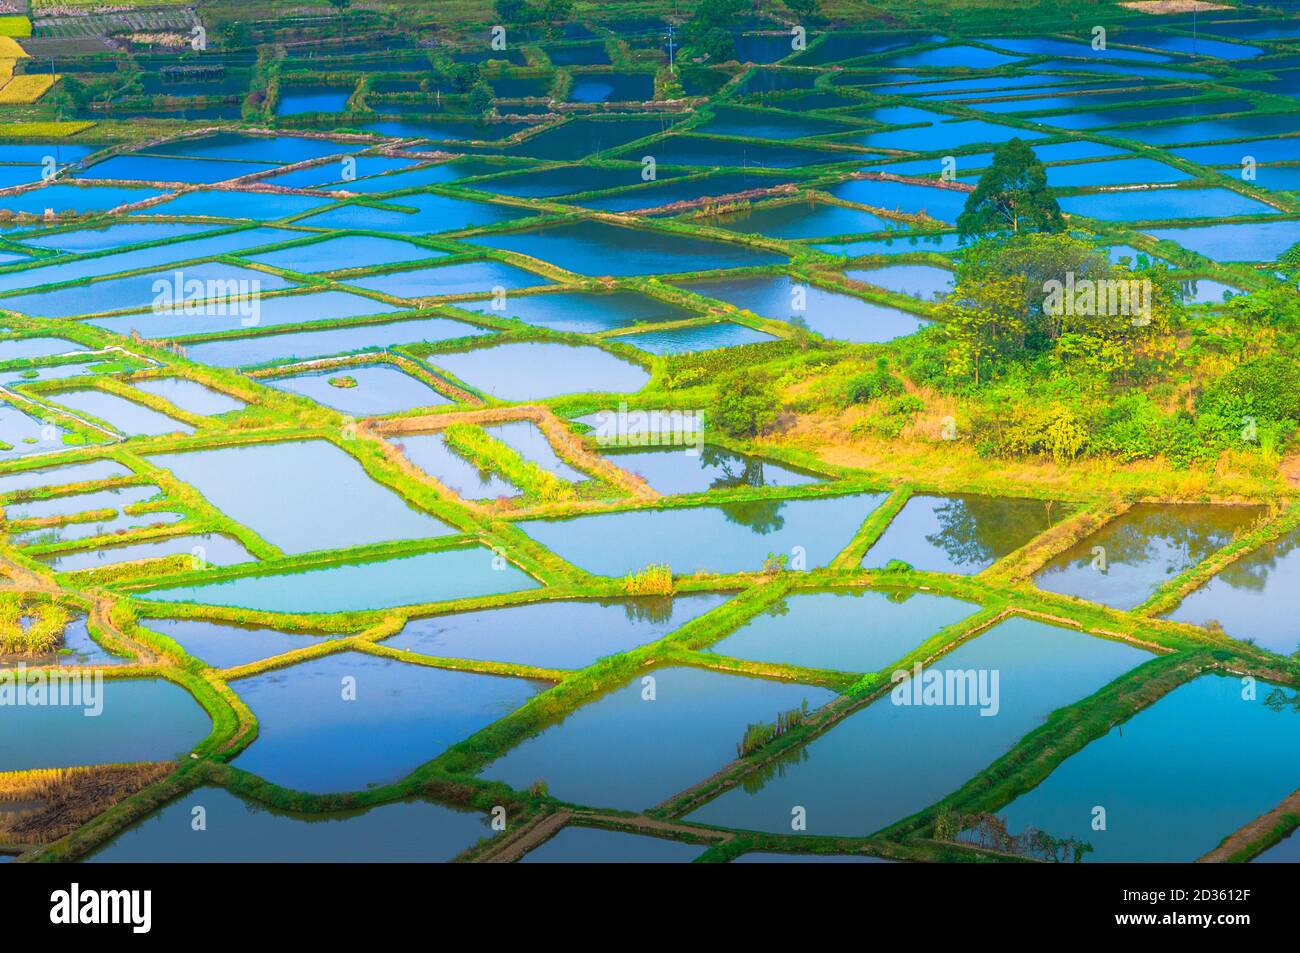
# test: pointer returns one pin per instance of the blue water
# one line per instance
(831, 314)
(676, 471)
(380, 389)
(889, 760)
(582, 312)
(530, 370)
(408, 580)
(212, 548)
(190, 395)
(596, 248)
(256, 312)
(471, 277)
(240, 831)
(140, 720)
(351, 721)
(1161, 775)
(627, 752)
(563, 635)
(351, 251)
(223, 645)
(735, 537)
(959, 534)
(62, 475)
(121, 414)
(847, 630)
(280, 490)
(430, 453)
(706, 337)
(264, 348)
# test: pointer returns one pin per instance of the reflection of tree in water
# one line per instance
(735, 470)
(776, 768)
(1279, 700)
(761, 516)
(779, 608)
(657, 610)
(980, 529)
(1252, 572)
(1185, 535)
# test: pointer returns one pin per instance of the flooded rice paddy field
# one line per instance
(331, 456)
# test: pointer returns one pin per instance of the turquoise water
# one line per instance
(80, 503)
(735, 537)
(380, 389)
(248, 483)
(257, 206)
(132, 259)
(1115, 172)
(332, 173)
(675, 471)
(766, 124)
(351, 721)
(940, 204)
(259, 313)
(213, 548)
(119, 523)
(1141, 550)
(847, 630)
(663, 193)
(794, 220)
(612, 87)
(895, 244)
(959, 534)
(407, 580)
(224, 646)
(569, 634)
(472, 277)
(430, 453)
(889, 760)
(1131, 206)
(704, 337)
(26, 434)
(113, 236)
(527, 439)
(33, 347)
(1161, 775)
(222, 284)
(240, 831)
(1252, 596)
(190, 395)
(312, 99)
(831, 314)
(69, 198)
(143, 168)
(1254, 241)
(627, 752)
(59, 476)
(688, 150)
(582, 137)
(121, 414)
(431, 213)
(918, 281)
(140, 720)
(582, 312)
(529, 370)
(596, 248)
(350, 251)
(264, 348)
(587, 845)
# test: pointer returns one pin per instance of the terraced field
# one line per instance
(368, 445)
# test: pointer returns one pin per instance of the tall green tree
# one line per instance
(1012, 196)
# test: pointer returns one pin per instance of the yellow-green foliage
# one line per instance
(14, 26)
(480, 448)
(655, 580)
(41, 636)
(42, 130)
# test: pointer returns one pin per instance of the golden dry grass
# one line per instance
(63, 799)
(26, 89)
